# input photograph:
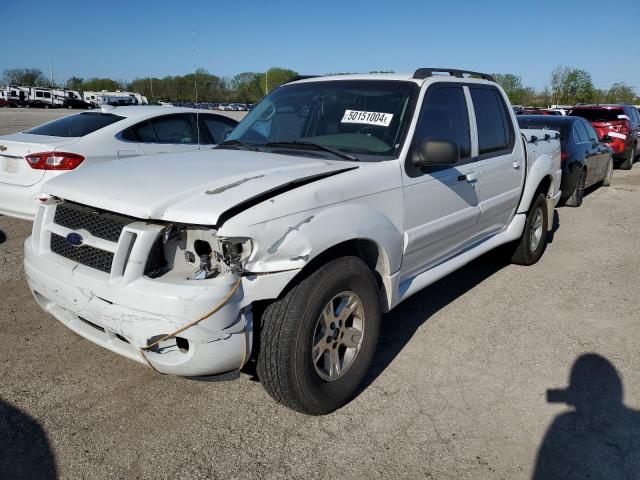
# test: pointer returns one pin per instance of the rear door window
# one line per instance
(175, 129)
(581, 132)
(76, 125)
(591, 132)
(495, 132)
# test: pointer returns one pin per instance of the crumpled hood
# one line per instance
(195, 187)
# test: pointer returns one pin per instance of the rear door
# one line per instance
(591, 155)
(500, 159)
(441, 203)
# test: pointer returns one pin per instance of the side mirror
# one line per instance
(606, 139)
(435, 152)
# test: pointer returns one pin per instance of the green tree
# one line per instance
(32, 77)
(579, 86)
(512, 85)
(571, 85)
(620, 92)
(98, 84)
(74, 83)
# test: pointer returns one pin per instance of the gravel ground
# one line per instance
(458, 390)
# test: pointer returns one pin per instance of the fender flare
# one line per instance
(291, 242)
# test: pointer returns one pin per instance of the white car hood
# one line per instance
(194, 187)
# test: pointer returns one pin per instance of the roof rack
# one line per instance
(422, 73)
(301, 77)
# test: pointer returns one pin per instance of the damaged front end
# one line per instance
(197, 253)
(129, 285)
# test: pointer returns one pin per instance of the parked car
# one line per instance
(586, 158)
(538, 111)
(336, 198)
(621, 122)
(76, 103)
(28, 159)
(4, 103)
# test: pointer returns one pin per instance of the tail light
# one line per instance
(624, 128)
(620, 126)
(54, 160)
(564, 156)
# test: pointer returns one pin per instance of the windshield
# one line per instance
(366, 118)
(76, 125)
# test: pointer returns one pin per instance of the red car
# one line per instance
(621, 123)
(3, 102)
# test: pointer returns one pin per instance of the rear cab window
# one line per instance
(76, 125)
(495, 132)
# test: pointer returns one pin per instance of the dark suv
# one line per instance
(620, 122)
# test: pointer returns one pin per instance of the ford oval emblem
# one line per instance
(75, 239)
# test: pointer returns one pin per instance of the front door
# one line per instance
(441, 203)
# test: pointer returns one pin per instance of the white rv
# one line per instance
(118, 98)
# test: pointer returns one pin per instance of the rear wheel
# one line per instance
(606, 182)
(575, 200)
(317, 341)
(531, 245)
(628, 162)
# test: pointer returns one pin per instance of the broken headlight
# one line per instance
(198, 253)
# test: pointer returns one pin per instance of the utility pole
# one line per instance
(50, 72)
(266, 83)
(151, 84)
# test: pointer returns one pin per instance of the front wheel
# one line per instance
(318, 340)
(533, 242)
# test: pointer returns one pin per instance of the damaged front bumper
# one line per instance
(125, 314)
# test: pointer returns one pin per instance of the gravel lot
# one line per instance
(458, 390)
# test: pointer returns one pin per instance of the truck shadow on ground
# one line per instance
(25, 451)
(600, 437)
(3, 237)
(399, 325)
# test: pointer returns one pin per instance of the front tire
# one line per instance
(533, 242)
(318, 340)
(628, 163)
(575, 200)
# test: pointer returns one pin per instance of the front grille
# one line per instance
(86, 255)
(105, 225)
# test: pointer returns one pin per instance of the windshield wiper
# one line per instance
(238, 143)
(317, 146)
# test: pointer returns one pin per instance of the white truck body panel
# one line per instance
(292, 208)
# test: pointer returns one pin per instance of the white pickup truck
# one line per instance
(333, 201)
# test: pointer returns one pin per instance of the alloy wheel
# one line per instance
(338, 336)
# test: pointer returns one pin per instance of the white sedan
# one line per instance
(30, 158)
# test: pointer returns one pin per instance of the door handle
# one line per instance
(516, 164)
(470, 177)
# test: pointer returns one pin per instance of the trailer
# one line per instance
(117, 98)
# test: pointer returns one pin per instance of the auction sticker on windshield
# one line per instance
(368, 118)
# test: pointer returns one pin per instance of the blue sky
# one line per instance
(124, 40)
